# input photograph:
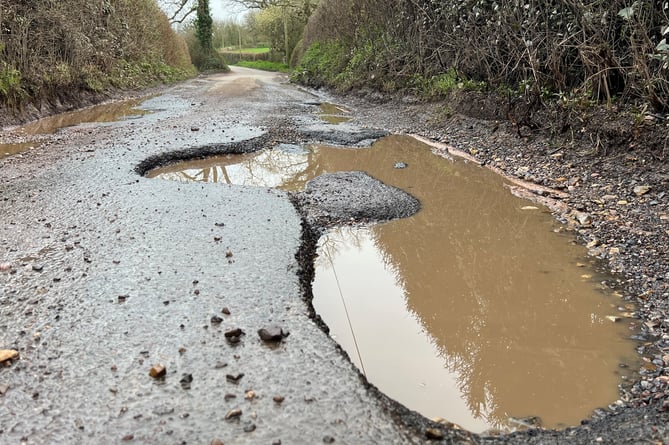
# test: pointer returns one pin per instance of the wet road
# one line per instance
(105, 273)
(112, 273)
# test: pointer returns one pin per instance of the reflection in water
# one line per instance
(269, 168)
(334, 114)
(12, 149)
(474, 309)
(111, 112)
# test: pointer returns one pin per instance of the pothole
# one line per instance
(475, 309)
(334, 114)
(111, 112)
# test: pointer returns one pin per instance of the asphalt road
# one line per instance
(107, 273)
(130, 272)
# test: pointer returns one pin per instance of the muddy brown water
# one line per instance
(334, 114)
(110, 112)
(475, 310)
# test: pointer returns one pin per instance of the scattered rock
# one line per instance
(278, 399)
(234, 378)
(401, 165)
(328, 439)
(249, 428)
(4, 389)
(216, 320)
(233, 414)
(128, 437)
(250, 395)
(272, 333)
(228, 254)
(434, 434)
(584, 219)
(234, 335)
(186, 381)
(123, 298)
(217, 442)
(641, 190)
(158, 371)
(38, 267)
(8, 354)
(4, 267)
(225, 311)
(194, 128)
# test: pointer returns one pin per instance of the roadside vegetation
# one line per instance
(53, 53)
(550, 65)
(265, 65)
(603, 51)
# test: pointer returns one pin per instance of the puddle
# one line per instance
(12, 149)
(334, 114)
(111, 112)
(473, 310)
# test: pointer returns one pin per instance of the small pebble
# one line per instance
(8, 354)
(251, 427)
(272, 333)
(434, 434)
(278, 399)
(234, 378)
(233, 414)
(158, 371)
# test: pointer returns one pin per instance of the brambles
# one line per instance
(52, 51)
(606, 50)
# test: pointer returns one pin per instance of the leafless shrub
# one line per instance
(603, 49)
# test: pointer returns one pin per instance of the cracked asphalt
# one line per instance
(107, 273)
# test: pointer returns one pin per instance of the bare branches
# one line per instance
(179, 10)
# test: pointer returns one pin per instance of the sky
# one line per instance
(220, 9)
(223, 10)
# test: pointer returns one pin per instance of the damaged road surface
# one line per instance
(141, 311)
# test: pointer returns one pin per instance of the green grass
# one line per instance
(255, 50)
(261, 50)
(264, 65)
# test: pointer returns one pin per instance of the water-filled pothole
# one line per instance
(474, 309)
(334, 114)
(110, 112)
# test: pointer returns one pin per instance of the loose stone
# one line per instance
(8, 354)
(278, 399)
(272, 333)
(217, 442)
(434, 434)
(251, 427)
(158, 371)
(233, 414)
(186, 381)
(216, 320)
(234, 378)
